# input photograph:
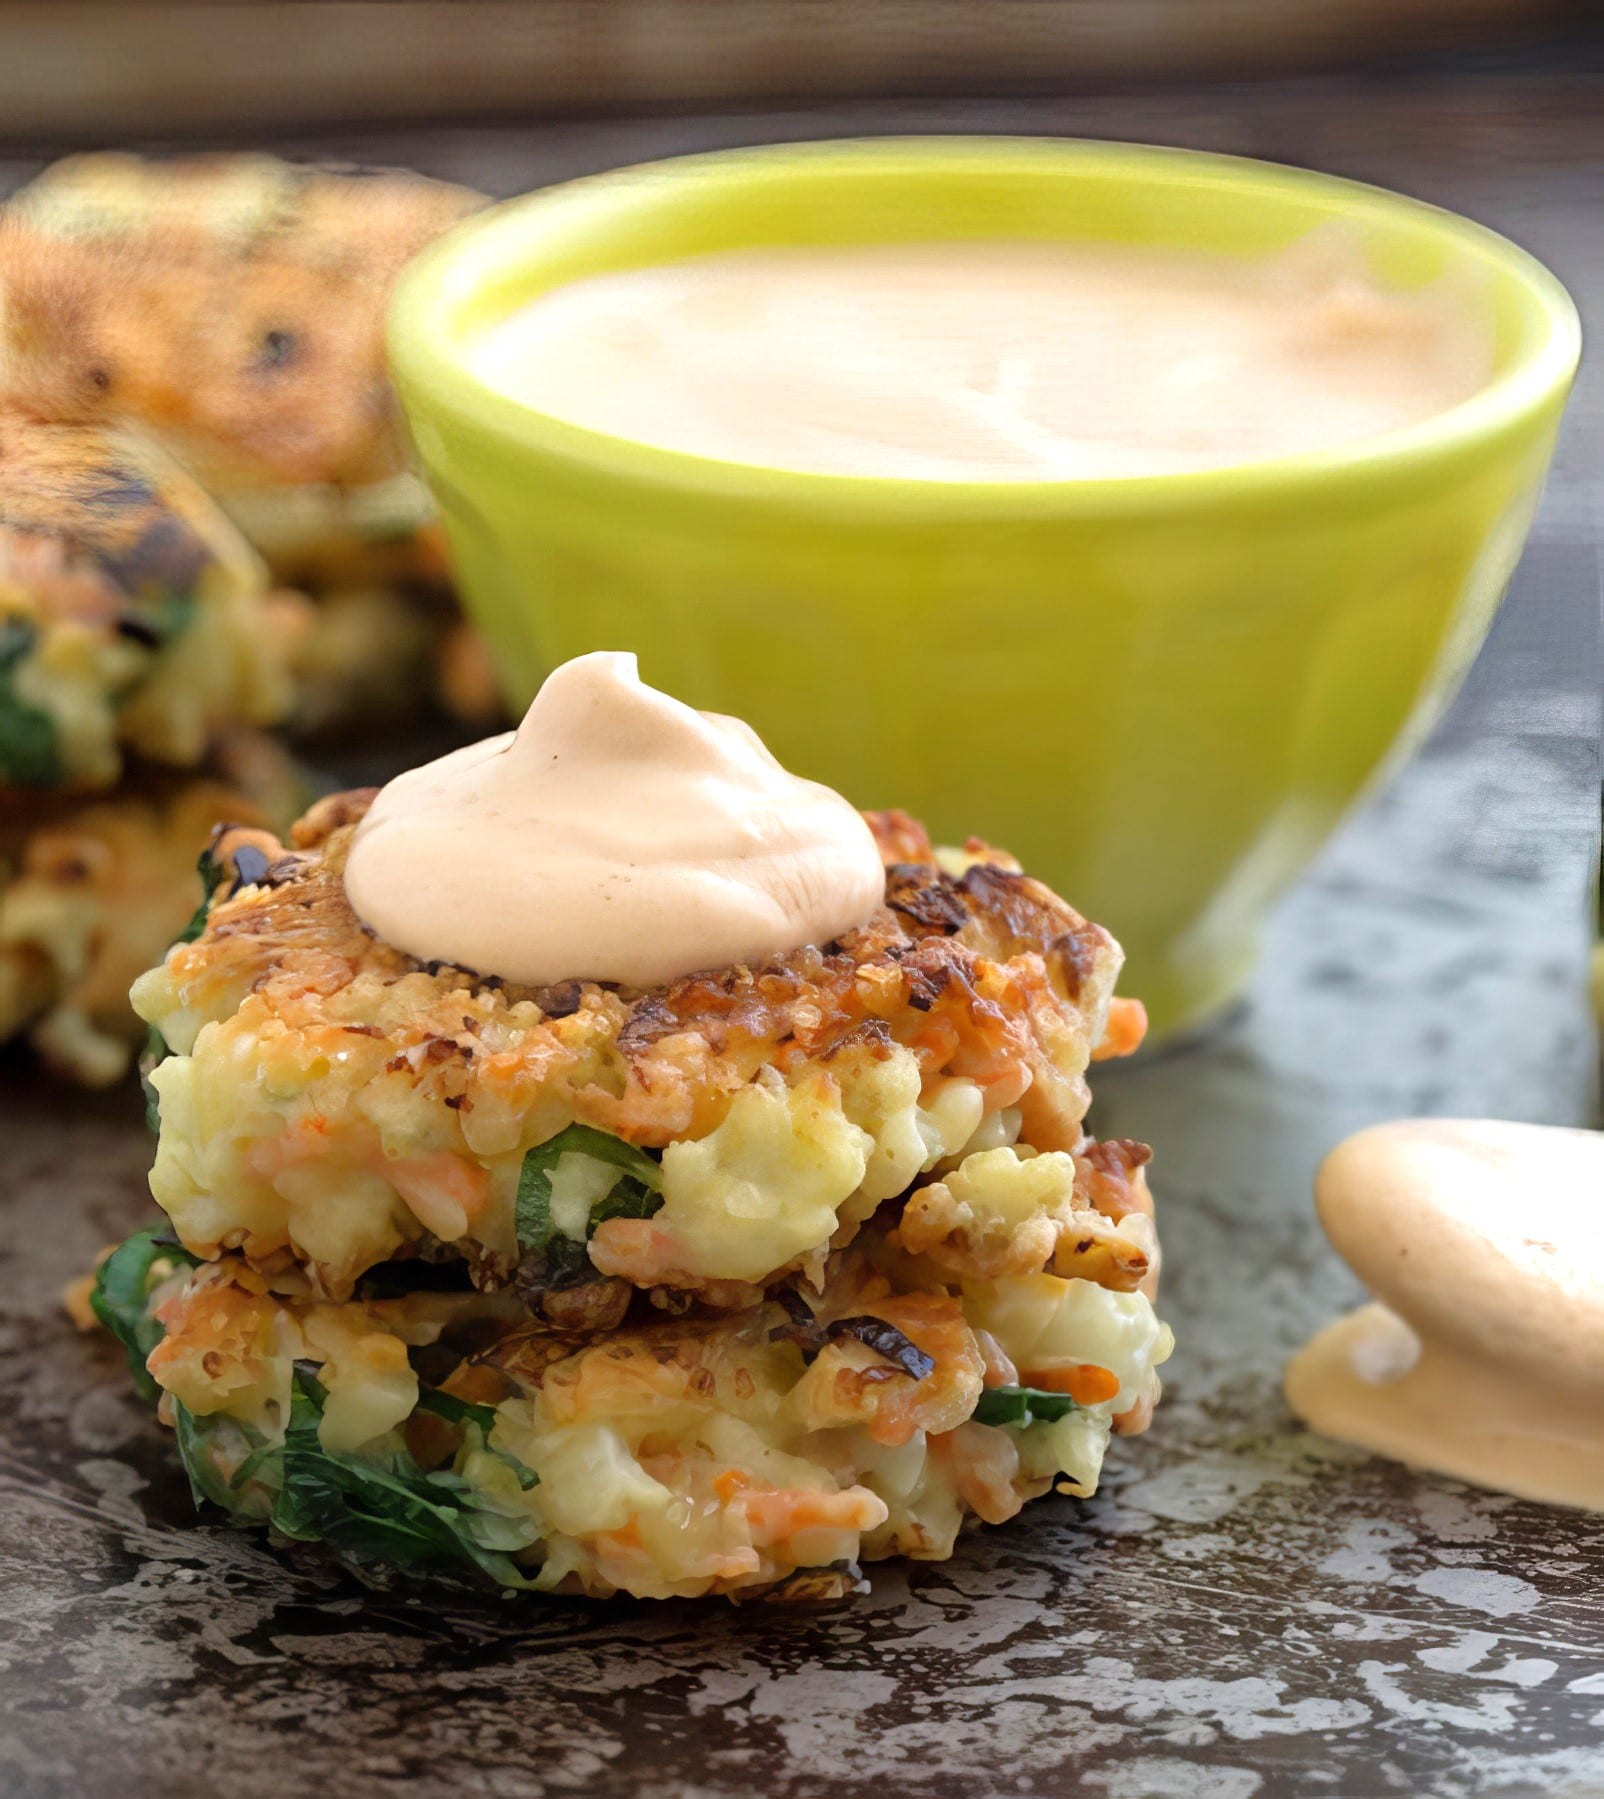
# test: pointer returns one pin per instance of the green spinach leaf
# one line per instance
(29, 754)
(205, 1479)
(211, 873)
(121, 1294)
(464, 1411)
(398, 1514)
(366, 1510)
(637, 1193)
(456, 1411)
(1022, 1406)
(151, 1057)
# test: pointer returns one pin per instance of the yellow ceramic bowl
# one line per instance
(1161, 692)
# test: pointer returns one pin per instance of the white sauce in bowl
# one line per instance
(995, 361)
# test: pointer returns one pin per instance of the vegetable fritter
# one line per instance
(233, 304)
(92, 887)
(134, 620)
(723, 1287)
(396, 1103)
(232, 307)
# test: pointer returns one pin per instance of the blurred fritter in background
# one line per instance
(207, 527)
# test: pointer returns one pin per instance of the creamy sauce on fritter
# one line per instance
(616, 835)
(1483, 1356)
(992, 361)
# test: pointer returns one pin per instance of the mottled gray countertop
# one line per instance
(1243, 1609)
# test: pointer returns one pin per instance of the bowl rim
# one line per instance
(423, 339)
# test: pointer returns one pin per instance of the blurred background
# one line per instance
(90, 68)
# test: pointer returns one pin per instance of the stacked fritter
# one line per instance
(722, 1287)
(139, 646)
(195, 418)
(233, 308)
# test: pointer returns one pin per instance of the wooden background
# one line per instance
(98, 67)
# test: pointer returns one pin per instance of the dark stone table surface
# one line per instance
(1244, 1609)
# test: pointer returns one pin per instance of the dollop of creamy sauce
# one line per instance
(993, 361)
(616, 835)
(1483, 1354)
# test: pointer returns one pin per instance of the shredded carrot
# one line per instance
(1085, 1382)
(780, 1512)
(444, 1192)
(728, 1484)
(1126, 1027)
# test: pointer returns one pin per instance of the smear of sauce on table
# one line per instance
(1482, 1356)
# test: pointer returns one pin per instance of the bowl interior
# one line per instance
(913, 190)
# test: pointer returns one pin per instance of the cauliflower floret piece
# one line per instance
(370, 1383)
(1072, 1447)
(765, 1187)
(589, 1479)
(1047, 1325)
(913, 1126)
(995, 1213)
(1002, 1212)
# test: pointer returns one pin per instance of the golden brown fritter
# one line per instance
(987, 975)
(332, 1102)
(103, 497)
(233, 308)
(235, 305)
(750, 1276)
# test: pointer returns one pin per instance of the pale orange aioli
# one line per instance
(616, 835)
(1483, 1356)
(993, 361)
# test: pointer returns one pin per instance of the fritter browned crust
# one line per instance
(234, 304)
(984, 974)
(875, 1227)
(97, 528)
(135, 622)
